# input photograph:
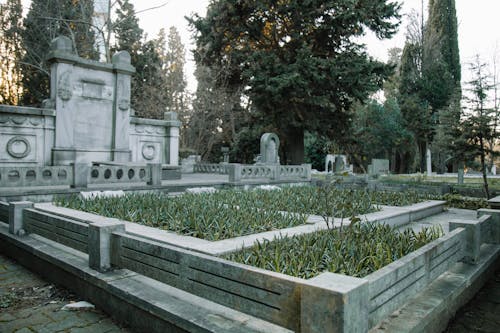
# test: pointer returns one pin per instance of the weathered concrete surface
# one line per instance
(482, 313)
(142, 303)
(30, 304)
(430, 310)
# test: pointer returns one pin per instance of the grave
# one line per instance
(337, 164)
(87, 119)
(378, 166)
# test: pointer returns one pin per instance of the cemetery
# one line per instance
(97, 200)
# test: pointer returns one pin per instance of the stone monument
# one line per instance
(269, 145)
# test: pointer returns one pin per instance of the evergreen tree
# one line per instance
(129, 37)
(477, 124)
(442, 75)
(128, 34)
(10, 52)
(299, 60)
(175, 59)
(46, 20)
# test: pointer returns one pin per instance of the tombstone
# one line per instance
(340, 163)
(329, 162)
(337, 163)
(269, 145)
(378, 166)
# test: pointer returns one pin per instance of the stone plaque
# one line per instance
(93, 90)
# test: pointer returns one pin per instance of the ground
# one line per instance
(30, 304)
(482, 313)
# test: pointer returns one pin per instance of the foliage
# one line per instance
(356, 250)
(10, 52)
(315, 149)
(199, 215)
(46, 20)
(380, 130)
(299, 61)
(458, 201)
(477, 125)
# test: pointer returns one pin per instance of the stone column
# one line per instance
(121, 107)
(429, 162)
(172, 153)
(334, 303)
(16, 221)
(100, 233)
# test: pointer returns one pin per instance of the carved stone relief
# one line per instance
(64, 90)
(18, 147)
(149, 151)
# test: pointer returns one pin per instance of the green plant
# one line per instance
(357, 250)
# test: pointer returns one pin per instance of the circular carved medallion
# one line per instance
(18, 147)
(148, 151)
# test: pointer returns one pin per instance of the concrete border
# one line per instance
(394, 216)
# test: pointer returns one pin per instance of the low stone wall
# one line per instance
(105, 174)
(270, 296)
(327, 303)
(71, 233)
(222, 169)
(392, 286)
(35, 176)
(242, 172)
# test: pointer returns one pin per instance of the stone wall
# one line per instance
(26, 136)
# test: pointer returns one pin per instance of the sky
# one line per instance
(479, 28)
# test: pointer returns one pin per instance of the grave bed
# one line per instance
(325, 303)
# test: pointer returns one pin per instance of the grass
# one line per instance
(357, 250)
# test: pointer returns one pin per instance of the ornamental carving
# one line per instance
(20, 120)
(149, 151)
(123, 104)
(18, 147)
(64, 90)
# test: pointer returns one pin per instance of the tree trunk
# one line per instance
(294, 146)
(483, 167)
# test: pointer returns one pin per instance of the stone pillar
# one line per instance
(121, 107)
(334, 303)
(235, 172)
(172, 153)
(156, 170)
(473, 239)
(493, 230)
(16, 221)
(81, 173)
(100, 233)
(428, 162)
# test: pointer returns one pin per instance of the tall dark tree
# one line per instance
(46, 20)
(299, 59)
(10, 52)
(442, 74)
(175, 59)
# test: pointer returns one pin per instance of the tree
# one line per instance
(46, 20)
(298, 60)
(379, 132)
(477, 125)
(441, 71)
(175, 60)
(10, 52)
